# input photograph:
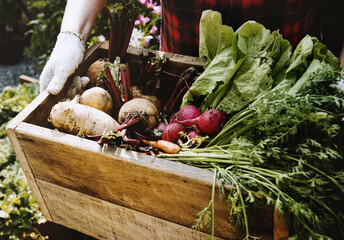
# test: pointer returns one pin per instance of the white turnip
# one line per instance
(94, 70)
(99, 98)
(71, 117)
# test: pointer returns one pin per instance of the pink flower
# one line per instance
(154, 29)
(142, 1)
(143, 19)
(150, 3)
(147, 40)
(137, 22)
(157, 10)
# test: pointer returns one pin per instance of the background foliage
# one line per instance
(47, 17)
(19, 211)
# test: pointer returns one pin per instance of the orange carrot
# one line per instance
(164, 145)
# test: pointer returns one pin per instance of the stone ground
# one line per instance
(9, 74)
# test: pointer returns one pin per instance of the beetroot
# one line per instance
(187, 112)
(171, 132)
(208, 123)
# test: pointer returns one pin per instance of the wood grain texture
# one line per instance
(103, 220)
(281, 226)
(28, 172)
(161, 188)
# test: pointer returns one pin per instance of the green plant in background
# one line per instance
(19, 211)
(47, 17)
(44, 27)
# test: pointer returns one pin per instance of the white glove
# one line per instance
(64, 59)
(76, 85)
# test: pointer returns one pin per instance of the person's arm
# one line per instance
(77, 22)
(80, 15)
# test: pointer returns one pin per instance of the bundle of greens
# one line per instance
(285, 146)
(240, 66)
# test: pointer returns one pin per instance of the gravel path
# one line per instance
(9, 74)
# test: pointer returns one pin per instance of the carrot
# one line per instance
(164, 145)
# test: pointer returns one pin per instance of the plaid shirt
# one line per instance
(180, 19)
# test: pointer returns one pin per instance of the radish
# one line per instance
(171, 132)
(161, 126)
(187, 112)
(193, 133)
(208, 123)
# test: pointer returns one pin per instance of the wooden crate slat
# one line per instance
(103, 220)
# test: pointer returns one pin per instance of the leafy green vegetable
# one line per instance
(240, 67)
(285, 147)
(216, 45)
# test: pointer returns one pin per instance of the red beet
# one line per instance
(171, 132)
(187, 112)
(209, 123)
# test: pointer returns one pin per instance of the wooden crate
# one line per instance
(112, 193)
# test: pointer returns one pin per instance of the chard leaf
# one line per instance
(299, 60)
(214, 37)
(254, 77)
(216, 42)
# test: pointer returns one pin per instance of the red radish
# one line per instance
(171, 132)
(161, 126)
(209, 123)
(193, 133)
(187, 112)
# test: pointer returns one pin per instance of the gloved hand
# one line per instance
(64, 59)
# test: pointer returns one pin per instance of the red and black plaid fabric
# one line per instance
(180, 19)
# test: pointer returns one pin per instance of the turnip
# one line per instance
(138, 113)
(99, 98)
(208, 123)
(187, 112)
(71, 117)
(94, 70)
(171, 132)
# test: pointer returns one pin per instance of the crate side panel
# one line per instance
(161, 188)
(104, 220)
(25, 165)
